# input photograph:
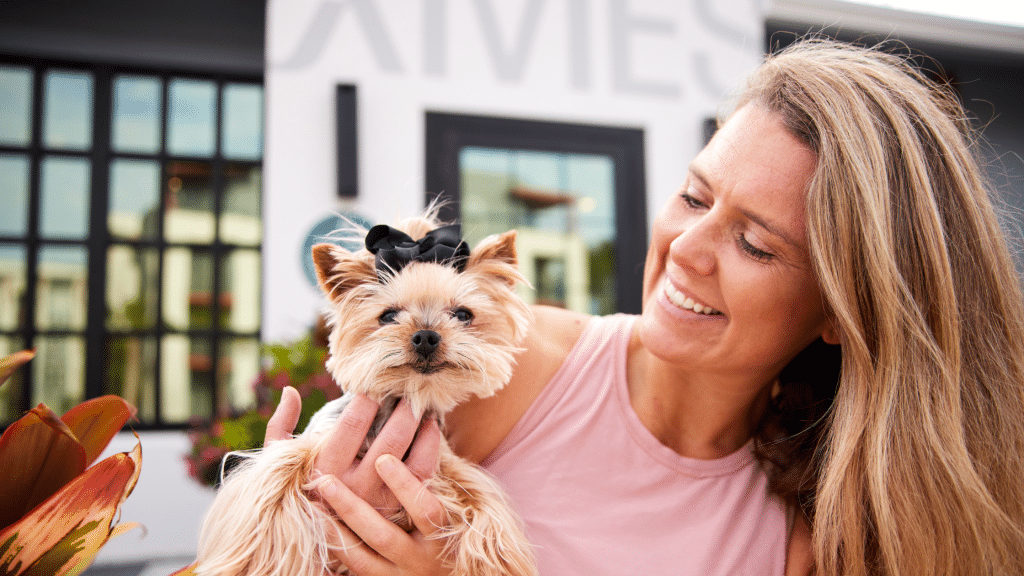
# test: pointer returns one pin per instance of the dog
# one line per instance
(427, 320)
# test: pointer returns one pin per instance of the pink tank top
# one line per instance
(601, 496)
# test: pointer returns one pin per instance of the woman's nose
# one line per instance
(694, 247)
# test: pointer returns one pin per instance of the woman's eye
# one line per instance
(691, 200)
(389, 316)
(753, 251)
(462, 315)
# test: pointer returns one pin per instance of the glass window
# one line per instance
(64, 185)
(15, 106)
(242, 132)
(241, 220)
(131, 373)
(136, 114)
(132, 287)
(191, 117)
(67, 115)
(241, 294)
(12, 287)
(58, 375)
(562, 205)
(186, 378)
(14, 181)
(61, 288)
(134, 199)
(188, 215)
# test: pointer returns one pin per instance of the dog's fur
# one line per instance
(265, 521)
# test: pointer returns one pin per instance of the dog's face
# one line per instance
(429, 333)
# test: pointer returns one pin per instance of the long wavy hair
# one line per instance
(904, 446)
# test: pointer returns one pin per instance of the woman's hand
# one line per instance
(339, 457)
(373, 546)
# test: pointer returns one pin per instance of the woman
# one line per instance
(840, 208)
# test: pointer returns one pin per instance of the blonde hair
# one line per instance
(918, 467)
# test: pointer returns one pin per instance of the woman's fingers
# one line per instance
(396, 435)
(282, 423)
(384, 541)
(423, 508)
(347, 436)
(422, 459)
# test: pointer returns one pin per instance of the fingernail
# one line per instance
(385, 464)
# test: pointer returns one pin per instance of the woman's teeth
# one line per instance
(678, 299)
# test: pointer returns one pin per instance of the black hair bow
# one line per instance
(394, 248)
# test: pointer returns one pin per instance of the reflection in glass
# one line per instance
(242, 133)
(191, 117)
(15, 106)
(189, 208)
(67, 112)
(58, 372)
(10, 392)
(241, 295)
(65, 198)
(131, 287)
(240, 221)
(134, 199)
(563, 206)
(188, 289)
(61, 288)
(240, 362)
(12, 286)
(131, 373)
(14, 191)
(186, 378)
(136, 114)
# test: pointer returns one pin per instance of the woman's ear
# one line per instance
(831, 333)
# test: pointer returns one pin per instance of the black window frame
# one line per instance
(101, 154)
(448, 133)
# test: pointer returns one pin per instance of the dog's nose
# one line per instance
(425, 342)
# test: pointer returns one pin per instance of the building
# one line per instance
(165, 167)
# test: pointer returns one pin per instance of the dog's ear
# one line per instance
(339, 270)
(496, 255)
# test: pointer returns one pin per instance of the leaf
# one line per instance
(62, 536)
(38, 454)
(94, 422)
(11, 362)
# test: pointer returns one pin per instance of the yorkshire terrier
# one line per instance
(427, 320)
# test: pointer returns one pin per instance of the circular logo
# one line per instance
(335, 229)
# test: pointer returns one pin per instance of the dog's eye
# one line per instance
(389, 316)
(462, 315)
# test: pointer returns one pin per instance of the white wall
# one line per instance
(658, 65)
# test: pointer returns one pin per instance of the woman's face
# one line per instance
(728, 285)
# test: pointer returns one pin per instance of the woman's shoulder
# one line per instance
(477, 427)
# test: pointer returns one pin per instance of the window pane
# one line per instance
(189, 209)
(65, 198)
(241, 295)
(188, 289)
(563, 206)
(240, 221)
(242, 132)
(67, 115)
(131, 287)
(191, 117)
(15, 106)
(134, 199)
(136, 116)
(186, 378)
(12, 286)
(10, 392)
(240, 358)
(14, 184)
(61, 288)
(58, 372)
(131, 373)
